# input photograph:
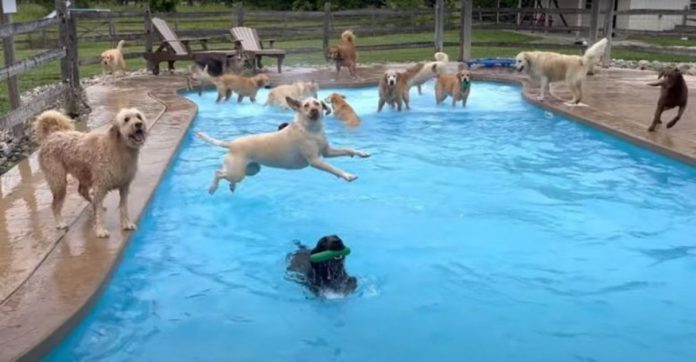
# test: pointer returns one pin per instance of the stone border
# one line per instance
(42, 314)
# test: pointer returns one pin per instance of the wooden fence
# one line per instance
(65, 51)
(58, 38)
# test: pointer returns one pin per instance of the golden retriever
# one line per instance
(300, 144)
(112, 60)
(430, 69)
(298, 90)
(342, 110)
(456, 86)
(394, 87)
(243, 86)
(547, 67)
(344, 54)
(101, 162)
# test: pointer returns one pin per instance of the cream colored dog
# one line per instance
(112, 60)
(429, 70)
(547, 67)
(298, 90)
(394, 88)
(243, 86)
(101, 162)
(300, 144)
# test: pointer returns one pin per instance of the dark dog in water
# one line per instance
(323, 268)
(673, 93)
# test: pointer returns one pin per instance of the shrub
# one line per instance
(163, 6)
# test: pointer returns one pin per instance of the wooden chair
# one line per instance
(248, 43)
(174, 48)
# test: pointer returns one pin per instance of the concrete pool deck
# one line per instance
(49, 278)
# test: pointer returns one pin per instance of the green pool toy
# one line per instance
(328, 255)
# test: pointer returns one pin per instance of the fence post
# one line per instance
(594, 22)
(327, 27)
(69, 67)
(439, 24)
(608, 31)
(12, 88)
(112, 32)
(497, 12)
(240, 13)
(148, 35)
(466, 19)
(519, 14)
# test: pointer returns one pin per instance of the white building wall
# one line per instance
(654, 22)
(631, 22)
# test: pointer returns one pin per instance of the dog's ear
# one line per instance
(114, 132)
(326, 108)
(293, 103)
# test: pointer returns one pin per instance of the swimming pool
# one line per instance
(499, 232)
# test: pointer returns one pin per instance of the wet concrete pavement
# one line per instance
(50, 278)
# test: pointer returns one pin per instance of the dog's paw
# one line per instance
(212, 189)
(127, 225)
(101, 232)
(360, 154)
(671, 124)
(349, 177)
(652, 128)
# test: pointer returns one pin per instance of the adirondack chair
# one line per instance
(174, 48)
(248, 43)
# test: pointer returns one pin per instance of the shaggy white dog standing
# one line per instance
(101, 162)
(547, 67)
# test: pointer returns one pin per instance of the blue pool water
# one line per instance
(499, 232)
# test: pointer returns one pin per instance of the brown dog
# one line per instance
(342, 110)
(345, 54)
(673, 93)
(456, 86)
(243, 86)
(101, 162)
(394, 87)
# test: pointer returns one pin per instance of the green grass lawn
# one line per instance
(50, 73)
(665, 41)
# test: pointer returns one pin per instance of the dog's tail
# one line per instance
(442, 57)
(348, 36)
(594, 53)
(49, 122)
(212, 141)
(120, 45)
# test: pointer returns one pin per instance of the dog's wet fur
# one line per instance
(673, 93)
(326, 276)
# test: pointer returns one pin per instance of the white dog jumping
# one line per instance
(301, 144)
(547, 67)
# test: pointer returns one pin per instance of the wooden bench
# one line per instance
(174, 48)
(248, 43)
